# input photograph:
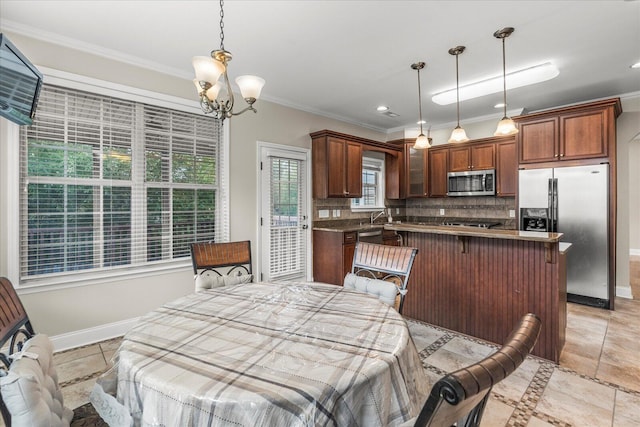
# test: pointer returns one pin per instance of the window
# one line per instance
(110, 183)
(372, 184)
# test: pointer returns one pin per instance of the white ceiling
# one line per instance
(344, 58)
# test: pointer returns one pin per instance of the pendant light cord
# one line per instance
(457, 91)
(420, 101)
(504, 78)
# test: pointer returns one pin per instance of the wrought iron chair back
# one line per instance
(385, 262)
(15, 329)
(234, 257)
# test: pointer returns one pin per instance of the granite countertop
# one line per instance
(345, 228)
(490, 233)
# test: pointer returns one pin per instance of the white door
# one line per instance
(284, 213)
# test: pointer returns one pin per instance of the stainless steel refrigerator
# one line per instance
(574, 201)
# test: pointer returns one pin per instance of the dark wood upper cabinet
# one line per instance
(438, 163)
(337, 167)
(506, 169)
(471, 157)
(585, 131)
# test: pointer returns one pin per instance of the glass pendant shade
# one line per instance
(213, 91)
(250, 86)
(506, 126)
(458, 135)
(207, 69)
(422, 142)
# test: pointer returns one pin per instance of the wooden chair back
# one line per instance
(385, 262)
(15, 329)
(209, 256)
(460, 397)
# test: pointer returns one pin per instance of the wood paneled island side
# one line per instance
(481, 281)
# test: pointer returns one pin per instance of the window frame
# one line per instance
(377, 165)
(10, 179)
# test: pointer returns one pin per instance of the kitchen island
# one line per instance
(481, 281)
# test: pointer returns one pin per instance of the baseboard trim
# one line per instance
(91, 335)
(624, 292)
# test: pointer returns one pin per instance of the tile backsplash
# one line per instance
(432, 210)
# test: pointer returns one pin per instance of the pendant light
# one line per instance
(506, 126)
(458, 134)
(422, 141)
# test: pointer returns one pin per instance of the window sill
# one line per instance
(73, 281)
(369, 209)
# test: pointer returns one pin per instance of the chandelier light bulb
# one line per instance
(458, 135)
(422, 142)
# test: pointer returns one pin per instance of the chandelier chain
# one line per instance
(221, 25)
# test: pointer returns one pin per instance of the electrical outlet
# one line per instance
(323, 213)
(336, 213)
(441, 212)
(397, 211)
(512, 213)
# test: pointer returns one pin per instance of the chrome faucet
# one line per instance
(377, 215)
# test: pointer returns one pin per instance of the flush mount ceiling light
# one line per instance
(209, 69)
(382, 108)
(422, 141)
(525, 77)
(636, 65)
(506, 126)
(458, 134)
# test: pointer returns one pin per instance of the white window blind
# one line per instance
(287, 252)
(109, 183)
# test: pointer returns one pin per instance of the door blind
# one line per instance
(287, 243)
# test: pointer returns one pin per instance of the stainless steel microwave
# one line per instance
(472, 183)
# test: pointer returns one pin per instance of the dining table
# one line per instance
(269, 354)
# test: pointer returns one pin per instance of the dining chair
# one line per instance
(29, 390)
(221, 264)
(461, 396)
(382, 265)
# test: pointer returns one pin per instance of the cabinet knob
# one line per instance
(562, 155)
(555, 155)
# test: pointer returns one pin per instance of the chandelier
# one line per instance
(216, 95)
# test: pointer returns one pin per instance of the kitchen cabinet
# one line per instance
(417, 169)
(506, 169)
(390, 237)
(332, 255)
(579, 132)
(438, 164)
(337, 167)
(471, 157)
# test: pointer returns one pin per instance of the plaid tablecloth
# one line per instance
(271, 354)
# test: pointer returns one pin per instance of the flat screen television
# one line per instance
(20, 83)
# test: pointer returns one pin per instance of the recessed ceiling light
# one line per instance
(500, 105)
(382, 108)
(421, 122)
(527, 76)
(636, 65)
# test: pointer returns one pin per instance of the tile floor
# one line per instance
(596, 384)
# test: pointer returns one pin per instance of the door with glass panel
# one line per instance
(284, 218)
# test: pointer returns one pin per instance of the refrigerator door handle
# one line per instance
(550, 213)
(554, 216)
